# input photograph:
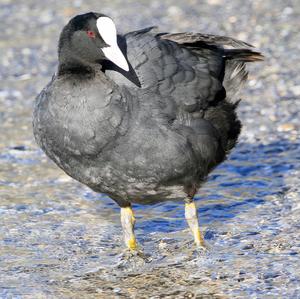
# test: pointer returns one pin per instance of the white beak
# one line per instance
(108, 32)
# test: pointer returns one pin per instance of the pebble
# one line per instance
(295, 90)
(286, 127)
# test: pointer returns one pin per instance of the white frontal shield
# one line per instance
(108, 32)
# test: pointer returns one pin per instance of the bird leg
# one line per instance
(191, 216)
(128, 221)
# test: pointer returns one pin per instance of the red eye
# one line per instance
(91, 34)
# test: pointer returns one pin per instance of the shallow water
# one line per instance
(58, 239)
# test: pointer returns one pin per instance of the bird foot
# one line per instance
(204, 247)
(133, 258)
(191, 246)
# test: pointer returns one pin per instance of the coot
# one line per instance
(143, 117)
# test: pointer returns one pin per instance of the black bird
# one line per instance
(143, 117)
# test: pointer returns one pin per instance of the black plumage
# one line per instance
(149, 134)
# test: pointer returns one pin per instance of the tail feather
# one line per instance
(235, 77)
(242, 55)
(235, 70)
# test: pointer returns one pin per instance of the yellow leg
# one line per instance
(191, 216)
(128, 221)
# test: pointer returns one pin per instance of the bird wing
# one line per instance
(170, 69)
(208, 39)
(235, 53)
(193, 69)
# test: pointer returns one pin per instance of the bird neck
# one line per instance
(68, 64)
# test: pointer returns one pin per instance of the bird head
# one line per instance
(90, 38)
